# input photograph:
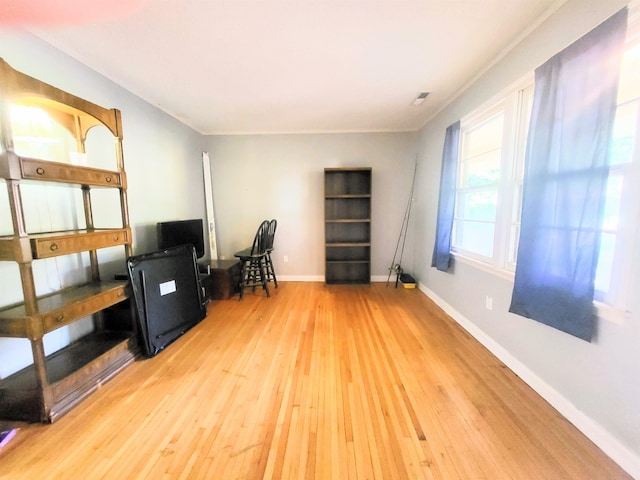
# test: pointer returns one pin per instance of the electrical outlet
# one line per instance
(285, 259)
(488, 302)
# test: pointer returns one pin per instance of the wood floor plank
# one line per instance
(316, 382)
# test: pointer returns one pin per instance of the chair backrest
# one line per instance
(271, 233)
(260, 241)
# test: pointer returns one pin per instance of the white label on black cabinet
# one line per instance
(167, 287)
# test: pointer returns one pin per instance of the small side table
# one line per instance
(223, 281)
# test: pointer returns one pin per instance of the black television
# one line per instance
(182, 232)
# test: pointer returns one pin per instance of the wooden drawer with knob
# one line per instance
(48, 245)
(62, 172)
(82, 307)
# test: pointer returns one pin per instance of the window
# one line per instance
(621, 216)
(490, 171)
(478, 181)
(490, 177)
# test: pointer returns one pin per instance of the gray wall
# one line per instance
(164, 171)
(258, 177)
(595, 385)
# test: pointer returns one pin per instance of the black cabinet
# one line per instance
(223, 280)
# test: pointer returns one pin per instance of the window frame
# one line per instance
(628, 228)
(510, 102)
(467, 125)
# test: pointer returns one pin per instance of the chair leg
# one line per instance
(243, 272)
(253, 273)
(251, 278)
(263, 276)
(271, 271)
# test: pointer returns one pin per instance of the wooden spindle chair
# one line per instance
(252, 260)
(271, 233)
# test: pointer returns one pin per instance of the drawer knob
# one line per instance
(116, 238)
(53, 247)
(59, 318)
(40, 171)
(108, 179)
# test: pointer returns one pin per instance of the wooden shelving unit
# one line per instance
(54, 383)
(347, 228)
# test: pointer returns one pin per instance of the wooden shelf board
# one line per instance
(65, 298)
(74, 233)
(68, 360)
(72, 372)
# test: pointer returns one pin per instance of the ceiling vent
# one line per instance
(420, 98)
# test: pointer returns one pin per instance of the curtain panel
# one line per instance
(566, 170)
(441, 258)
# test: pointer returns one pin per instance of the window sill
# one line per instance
(604, 311)
(498, 272)
(611, 314)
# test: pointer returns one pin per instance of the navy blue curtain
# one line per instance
(446, 203)
(566, 169)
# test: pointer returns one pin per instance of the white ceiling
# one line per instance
(266, 66)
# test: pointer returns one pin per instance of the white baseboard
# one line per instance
(301, 278)
(382, 278)
(320, 278)
(618, 452)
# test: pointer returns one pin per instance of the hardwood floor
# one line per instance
(314, 382)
